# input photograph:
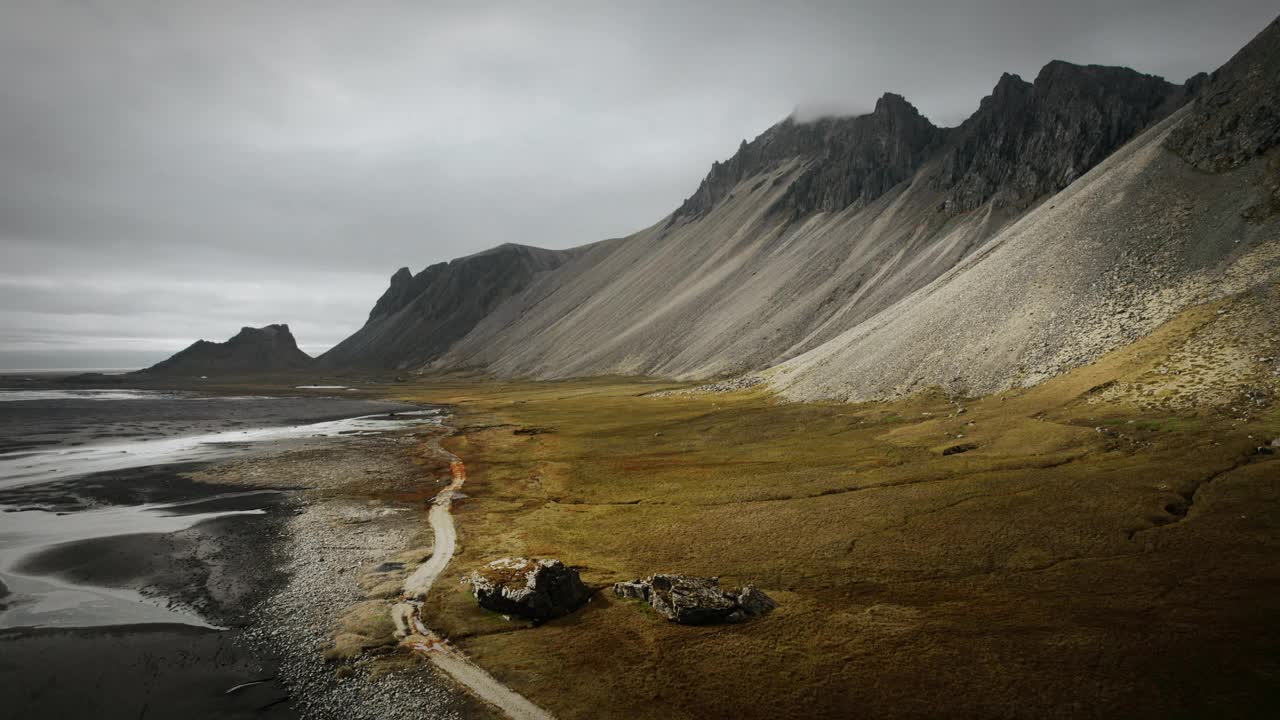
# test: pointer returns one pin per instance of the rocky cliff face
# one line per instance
(1237, 118)
(265, 349)
(420, 316)
(1030, 139)
(1026, 140)
(848, 159)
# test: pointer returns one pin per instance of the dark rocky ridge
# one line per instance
(420, 316)
(263, 349)
(1236, 118)
(1026, 140)
(853, 159)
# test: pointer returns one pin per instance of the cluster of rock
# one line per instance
(532, 589)
(691, 600)
(734, 384)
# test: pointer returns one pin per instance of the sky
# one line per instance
(175, 170)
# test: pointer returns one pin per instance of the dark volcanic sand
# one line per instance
(141, 671)
(220, 568)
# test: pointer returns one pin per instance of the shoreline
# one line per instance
(278, 584)
(363, 503)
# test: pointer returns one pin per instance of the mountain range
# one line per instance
(866, 257)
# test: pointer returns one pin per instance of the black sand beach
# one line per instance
(218, 569)
(213, 574)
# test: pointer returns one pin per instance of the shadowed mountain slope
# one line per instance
(870, 256)
(261, 349)
(813, 228)
(420, 316)
(1182, 215)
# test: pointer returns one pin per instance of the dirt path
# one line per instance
(421, 639)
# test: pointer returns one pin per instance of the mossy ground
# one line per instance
(1086, 558)
(1110, 546)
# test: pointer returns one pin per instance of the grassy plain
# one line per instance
(1105, 544)
(1095, 554)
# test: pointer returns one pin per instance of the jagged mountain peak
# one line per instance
(264, 349)
(851, 158)
(1026, 139)
(1029, 139)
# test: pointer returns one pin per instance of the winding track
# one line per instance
(421, 639)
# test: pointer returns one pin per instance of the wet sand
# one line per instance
(272, 582)
(218, 569)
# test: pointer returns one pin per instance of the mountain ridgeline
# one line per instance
(420, 316)
(872, 256)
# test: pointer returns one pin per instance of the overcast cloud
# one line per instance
(175, 170)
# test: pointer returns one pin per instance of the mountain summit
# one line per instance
(261, 349)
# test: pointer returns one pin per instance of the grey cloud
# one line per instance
(157, 154)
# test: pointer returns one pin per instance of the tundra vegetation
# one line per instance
(1103, 540)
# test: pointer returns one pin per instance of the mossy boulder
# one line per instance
(533, 589)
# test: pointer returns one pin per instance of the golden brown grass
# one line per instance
(1086, 558)
(1107, 548)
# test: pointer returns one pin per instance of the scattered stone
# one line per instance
(532, 589)
(744, 382)
(691, 600)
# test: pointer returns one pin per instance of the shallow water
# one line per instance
(48, 601)
(64, 443)
(38, 465)
(28, 395)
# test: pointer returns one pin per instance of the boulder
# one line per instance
(691, 600)
(753, 602)
(636, 589)
(533, 589)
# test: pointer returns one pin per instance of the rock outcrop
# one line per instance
(691, 600)
(420, 316)
(1237, 119)
(1028, 140)
(849, 160)
(532, 589)
(252, 350)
